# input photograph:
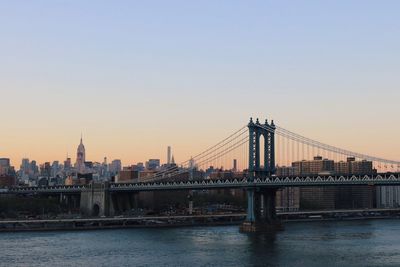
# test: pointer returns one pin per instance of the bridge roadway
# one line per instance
(269, 182)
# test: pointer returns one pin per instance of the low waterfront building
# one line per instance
(288, 199)
(387, 196)
(127, 175)
(314, 167)
(7, 180)
(286, 171)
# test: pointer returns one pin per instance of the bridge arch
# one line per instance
(262, 139)
(96, 210)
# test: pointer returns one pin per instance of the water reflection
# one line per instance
(263, 249)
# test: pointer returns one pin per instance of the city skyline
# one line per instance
(159, 153)
(227, 164)
(327, 71)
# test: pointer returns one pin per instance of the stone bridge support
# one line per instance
(261, 211)
(123, 202)
(96, 201)
(70, 201)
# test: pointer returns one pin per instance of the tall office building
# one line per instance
(34, 167)
(115, 166)
(25, 167)
(235, 165)
(67, 164)
(55, 168)
(153, 164)
(138, 167)
(169, 154)
(45, 169)
(80, 158)
(192, 163)
(4, 166)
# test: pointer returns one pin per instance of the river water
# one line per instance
(344, 243)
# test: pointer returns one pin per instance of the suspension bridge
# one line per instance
(261, 157)
(281, 149)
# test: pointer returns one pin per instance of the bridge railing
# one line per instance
(385, 179)
(273, 181)
(65, 188)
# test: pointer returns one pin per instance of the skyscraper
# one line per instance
(169, 153)
(192, 163)
(4, 166)
(67, 164)
(25, 167)
(80, 158)
(115, 166)
(153, 164)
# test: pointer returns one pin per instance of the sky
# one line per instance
(136, 76)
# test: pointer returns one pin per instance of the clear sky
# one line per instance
(136, 76)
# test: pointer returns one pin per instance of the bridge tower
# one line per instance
(261, 211)
(257, 131)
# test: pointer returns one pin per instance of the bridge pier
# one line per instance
(261, 211)
(123, 202)
(96, 200)
(69, 202)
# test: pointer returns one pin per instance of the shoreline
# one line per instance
(90, 224)
(94, 228)
(366, 218)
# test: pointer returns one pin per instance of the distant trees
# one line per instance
(13, 206)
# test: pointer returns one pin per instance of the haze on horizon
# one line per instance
(135, 77)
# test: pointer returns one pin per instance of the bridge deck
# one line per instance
(270, 182)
